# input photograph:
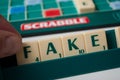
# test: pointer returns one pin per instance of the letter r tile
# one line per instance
(73, 44)
(95, 41)
(29, 53)
(50, 49)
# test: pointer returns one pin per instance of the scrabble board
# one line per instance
(43, 17)
(37, 17)
(19, 10)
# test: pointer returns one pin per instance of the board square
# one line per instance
(17, 9)
(32, 2)
(52, 13)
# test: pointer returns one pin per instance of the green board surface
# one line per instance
(26, 7)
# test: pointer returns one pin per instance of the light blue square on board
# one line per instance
(32, 2)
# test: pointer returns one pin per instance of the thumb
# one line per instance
(9, 43)
(10, 40)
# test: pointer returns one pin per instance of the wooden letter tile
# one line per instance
(84, 6)
(73, 44)
(95, 41)
(117, 33)
(29, 53)
(50, 49)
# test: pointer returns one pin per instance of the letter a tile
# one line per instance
(50, 49)
(29, 53)
(95, 41)
(73, 44)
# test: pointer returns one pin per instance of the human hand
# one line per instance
(10, 40)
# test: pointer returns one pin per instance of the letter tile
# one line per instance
(50, 49)
(117, 33)
(29, 53)
(84, 6)
(73, 44)
(95, 41)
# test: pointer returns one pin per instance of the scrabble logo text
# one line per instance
(54, 23)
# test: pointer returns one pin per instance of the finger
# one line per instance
(6, 26)
(10, 40)
(9, 43)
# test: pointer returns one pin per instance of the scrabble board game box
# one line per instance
(41, 17)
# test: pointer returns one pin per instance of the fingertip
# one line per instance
(10, 39)
(6, 26)
(10, 44)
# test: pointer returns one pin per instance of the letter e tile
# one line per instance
(95, 41)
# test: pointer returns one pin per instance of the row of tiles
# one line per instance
(65, 46)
